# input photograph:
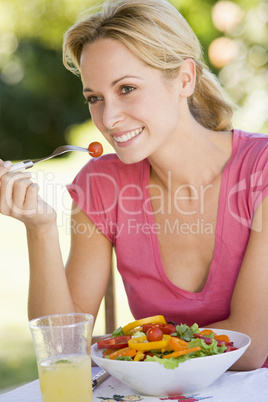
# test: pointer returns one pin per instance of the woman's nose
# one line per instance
(112, 114)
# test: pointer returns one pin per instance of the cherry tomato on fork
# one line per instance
(95, 149)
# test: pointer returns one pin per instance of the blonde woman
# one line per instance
(182, 200)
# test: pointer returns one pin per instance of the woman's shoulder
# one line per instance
(251, 138)
(249, 162)
(251, 145)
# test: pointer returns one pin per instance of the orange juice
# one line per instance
(66, 379)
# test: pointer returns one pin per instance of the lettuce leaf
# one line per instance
(137, 334)
(170, 363)
(126, 358)
(207, 350)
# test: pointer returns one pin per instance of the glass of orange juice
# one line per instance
(62, 346)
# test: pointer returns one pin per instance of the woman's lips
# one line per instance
(127, 136)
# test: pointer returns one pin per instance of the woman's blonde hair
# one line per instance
(157, 34)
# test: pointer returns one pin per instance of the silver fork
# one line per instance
(27, 164)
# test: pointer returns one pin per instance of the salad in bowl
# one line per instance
(159, 358)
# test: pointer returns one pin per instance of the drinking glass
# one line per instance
(62, 346)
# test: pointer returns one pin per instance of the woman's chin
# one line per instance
(130, 159)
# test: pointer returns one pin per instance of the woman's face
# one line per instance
(130, 102)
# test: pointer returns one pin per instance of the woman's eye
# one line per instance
(126, 89)
(93, 99)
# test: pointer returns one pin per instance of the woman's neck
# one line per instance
(196, 157)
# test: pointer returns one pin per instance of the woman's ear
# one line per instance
(187, 76)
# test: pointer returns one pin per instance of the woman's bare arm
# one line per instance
(82, 286)
(89, 262)
(48, 288)
(249, 305)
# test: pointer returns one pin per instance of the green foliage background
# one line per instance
(39, 99)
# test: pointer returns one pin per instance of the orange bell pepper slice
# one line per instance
(107, 352)
(177, 343)
(157, 319)
(123, 352)
(223, 338)
(206, 332)
(182, 352)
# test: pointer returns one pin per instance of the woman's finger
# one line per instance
(4, 167)
(31, 198)
(20, 189)
(7, 188)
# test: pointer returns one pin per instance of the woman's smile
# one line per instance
(123, 138)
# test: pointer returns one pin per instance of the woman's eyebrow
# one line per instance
(122, 78)
(116, 81)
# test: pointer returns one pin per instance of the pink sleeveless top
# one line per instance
(116, 198)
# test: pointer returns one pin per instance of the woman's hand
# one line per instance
(19, 198)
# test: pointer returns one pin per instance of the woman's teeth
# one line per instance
(128, 136)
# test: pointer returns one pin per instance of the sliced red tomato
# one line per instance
(165, 328)
(118, 342)
(230, 348)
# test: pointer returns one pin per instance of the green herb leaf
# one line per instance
(118, 332)
(186, 333)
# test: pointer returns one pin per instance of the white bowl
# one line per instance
(152, 378)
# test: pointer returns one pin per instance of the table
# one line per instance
(232, 386)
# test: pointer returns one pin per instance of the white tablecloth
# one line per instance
(249, 386)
